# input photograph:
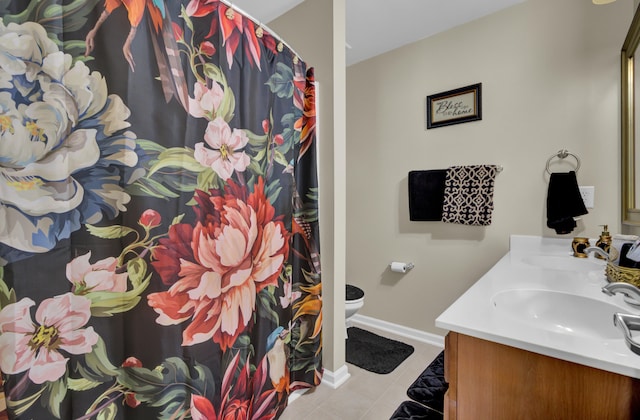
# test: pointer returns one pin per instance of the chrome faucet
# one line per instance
(628, 290)
(597, 250)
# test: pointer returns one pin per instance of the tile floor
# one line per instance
(365, 395)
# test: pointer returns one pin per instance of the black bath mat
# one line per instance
(375, 353)
(429, 388)
(410, 410)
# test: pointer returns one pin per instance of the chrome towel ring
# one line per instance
(562, 154)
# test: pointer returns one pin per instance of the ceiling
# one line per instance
(376, 26)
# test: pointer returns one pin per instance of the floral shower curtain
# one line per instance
(159, 253)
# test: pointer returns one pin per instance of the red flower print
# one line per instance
(132, 362)
(201, 8)
(247, 397)
(202, 409)
(130, 397)
(177, 31)
(233, 27)
(150, 218)
(168, 255)
(216, 269)
(207, 48)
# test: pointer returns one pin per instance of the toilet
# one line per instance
(354, 301)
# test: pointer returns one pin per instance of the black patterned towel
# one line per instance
(468, 194)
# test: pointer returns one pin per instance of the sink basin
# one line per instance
(559, 312)
(567, 263)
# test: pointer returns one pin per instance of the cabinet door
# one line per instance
(493, 381)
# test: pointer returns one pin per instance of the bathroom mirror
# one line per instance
(629, 79)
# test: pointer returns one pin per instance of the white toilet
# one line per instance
(354, 301)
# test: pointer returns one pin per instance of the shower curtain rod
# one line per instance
(262, 25)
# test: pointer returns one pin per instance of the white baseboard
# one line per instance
(336, 378)
(418, 335)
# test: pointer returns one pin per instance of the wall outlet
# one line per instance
(588, 194)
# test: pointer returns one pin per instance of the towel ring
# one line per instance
(563, 154)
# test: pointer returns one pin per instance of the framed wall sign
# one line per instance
(455, 106)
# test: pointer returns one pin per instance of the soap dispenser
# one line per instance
(604, 241)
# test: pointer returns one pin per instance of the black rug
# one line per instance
(411, 410)
(375, 353)
(429, 388)
(427, 393)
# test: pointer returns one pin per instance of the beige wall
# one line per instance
(316, 30)
(550, 80)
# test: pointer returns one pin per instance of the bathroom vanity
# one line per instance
(534, 339)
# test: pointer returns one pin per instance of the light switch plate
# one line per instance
(588, 194)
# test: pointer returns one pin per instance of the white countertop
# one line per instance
(477, 314)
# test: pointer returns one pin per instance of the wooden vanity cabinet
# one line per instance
(491, 381)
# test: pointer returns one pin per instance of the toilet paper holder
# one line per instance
(400, 267)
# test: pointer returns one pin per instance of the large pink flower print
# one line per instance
(25, 345)
(225, 153)
(237, 249)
